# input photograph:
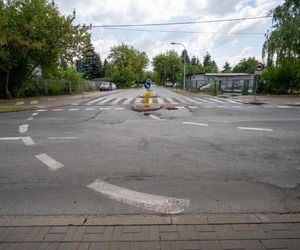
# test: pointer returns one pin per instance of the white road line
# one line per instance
(119, 108)
(28, 141)
(49, 161)
(193, 107)
(73, 109)
(23, 128)
(117, 100)
(155, 117)
(150, 100)
(181, 100)
(219, 106)
(160, 101)
(41, 110)
(34, 114)
(30, 118)
(90, 109)
(156, 203)
(63, 138)
(10, 138)
(96, 100)
(236, 106)
(208, 106)
(52, 99)
(229, 100)
(20, 103)
(197, 124)
(283, 107)
(180, 107)
(105, 101)
(257, 129)
(75, 104)
(170, 100)
(34, 102)
(203, 100)
(215, 100)
(138, 100)
(103, 108)
(128, 101)
(190, 100)
(56, 110)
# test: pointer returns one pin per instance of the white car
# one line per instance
(113, 85)
(105, 86)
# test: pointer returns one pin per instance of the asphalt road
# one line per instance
(219, 155)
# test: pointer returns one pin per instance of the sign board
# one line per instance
(37, 71)
(259, 67)
(147, 84)
(258, 72)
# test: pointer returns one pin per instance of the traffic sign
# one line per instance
(259, 67)
(147, 84)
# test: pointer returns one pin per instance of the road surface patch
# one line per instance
(155, 203)
(23, 128)
(195, 123)
(256, 129)
(49, 161)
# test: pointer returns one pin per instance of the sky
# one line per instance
(203, 37)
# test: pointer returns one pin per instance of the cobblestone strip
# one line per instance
(223, 236)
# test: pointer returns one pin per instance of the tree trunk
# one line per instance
(7, 92)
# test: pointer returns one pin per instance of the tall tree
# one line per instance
(34, 34)
(246, 65)
(209, 64)
(226, 68)
(127, 64)
(168, 65)
(282, 47)
(91, 62)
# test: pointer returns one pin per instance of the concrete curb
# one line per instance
(116, 220)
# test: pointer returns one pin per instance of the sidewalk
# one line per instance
(203, 231)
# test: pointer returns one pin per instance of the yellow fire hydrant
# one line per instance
(147, 97)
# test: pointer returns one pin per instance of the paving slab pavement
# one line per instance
(190, 231)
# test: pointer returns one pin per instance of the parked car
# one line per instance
(177, 85)
(105, 86)
(168, 84)
(113, 85)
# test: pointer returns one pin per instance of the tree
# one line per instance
(34, 34)
(226, 68)
(246, 65)
(105, 67)
(282, 47)
(126, 64)
(168, 66)
(91, 62)
(209, 65)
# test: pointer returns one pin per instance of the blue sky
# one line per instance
(222, 47)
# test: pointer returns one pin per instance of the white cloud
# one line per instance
(222, 47)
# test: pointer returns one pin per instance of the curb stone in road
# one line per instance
(199, 231)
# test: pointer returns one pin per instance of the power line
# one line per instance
(181, 23)
(189, 32)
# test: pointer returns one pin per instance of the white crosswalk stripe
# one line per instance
(117, 100)
(138, 100)
(203, 100)
(96, 100)
(105, 101)
(160, 101)
(215, 100)
(128, 101)
(170, 100)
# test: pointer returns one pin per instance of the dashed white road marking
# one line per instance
(90, 109)
(193, 107)
(155, 117)
(128, 101)
(20, 103)
(34, 114)
(34, 102)
(23, 128)
(160, 101)
(62, 138)
(119, 108)
(30, 118)
(28, 141)
(195, 123)
(73, 109)
(49, 161)
(156, 203)
(41, 110)
(103, 108)
(57, 110)
(257, 129)
(180, 107)
(208, 106)
(283, 107)
(75, 104)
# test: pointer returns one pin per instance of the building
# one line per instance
(227, 82)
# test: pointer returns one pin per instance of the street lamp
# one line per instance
(184, 59)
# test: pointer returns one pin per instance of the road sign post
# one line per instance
(258, 71)
(147, 86)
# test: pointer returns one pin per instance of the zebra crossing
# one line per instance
(103, 101)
